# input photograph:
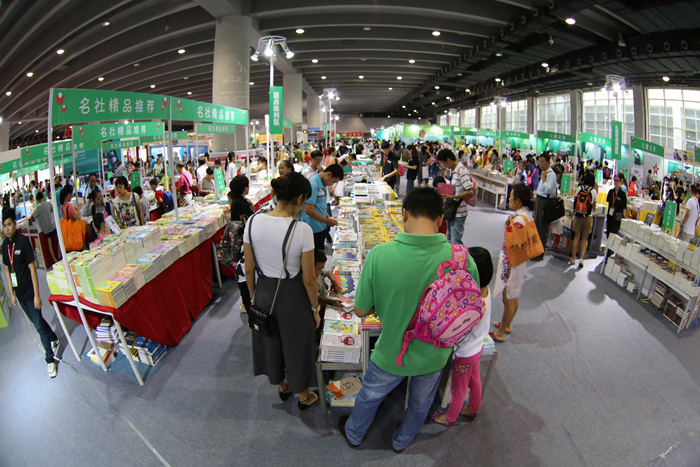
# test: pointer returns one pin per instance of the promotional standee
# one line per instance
(79, 106)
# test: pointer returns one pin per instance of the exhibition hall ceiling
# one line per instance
(405, 58)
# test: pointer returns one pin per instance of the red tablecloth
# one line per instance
(163, 309)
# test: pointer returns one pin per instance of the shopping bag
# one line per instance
(73, 234)
(523, 244)
(424, 172)
(554, 210)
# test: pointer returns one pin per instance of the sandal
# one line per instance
(286, 394)
(305, 404)
(496, 339)
(497, 325)
(470, 414)
(434, 417)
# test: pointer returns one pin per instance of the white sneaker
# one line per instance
(53, 369)
(54, 346)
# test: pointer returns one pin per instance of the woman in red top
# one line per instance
(632, 189)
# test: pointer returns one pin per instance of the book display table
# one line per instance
(492, 188)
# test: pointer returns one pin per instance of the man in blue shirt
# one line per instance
(546, 193)
(316, 209)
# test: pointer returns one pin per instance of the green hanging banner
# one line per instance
(276, 110)
(124, 144)
(91, 105)
(220, 183)
(555, 136)
(286, 123)
(508, 166)
(599, 176)
(566, 184)
(594, 139)
(135, 178)
(84, 135)
(9, 166)
(325, 131)
(212, 128)
(669, 218)
(186, 109)
(514, 134)
(697, 155)
(487, 133)
(616, 140)
(39, 154)
(647, 146)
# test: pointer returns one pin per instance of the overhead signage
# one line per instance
(135, 178)
(487, 133)
(505, 134)
(594, 139)
(286, 123)
(220, 183)
(647, 146)
(91, 105)
(186, 109)
(555, 136)
(276, 110)
(616, 139)
(123, 144)
(215, 128)
(103, 131)
(39, 153)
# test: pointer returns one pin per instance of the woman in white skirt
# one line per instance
(509, 278)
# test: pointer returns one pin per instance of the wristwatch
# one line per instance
(317, 309)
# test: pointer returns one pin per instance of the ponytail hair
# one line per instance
(523, 193)
(291, 186)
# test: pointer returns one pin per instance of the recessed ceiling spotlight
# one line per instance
(666, 78)
(101, 78)
(181, 51)
(60, 51)
(136, 64)
(189, 93)
(437, 87)
(391, 89)
(445, 111)
(545, 64)
(300, 31)
(499, 54)
(361, 76)
(570, 21)
(433, 103)
(459, 74)
(468, 90)
(449, 98)
(498, 80)
(436, 33)
(399, 78)
(8, 93)
(418, 118)
(19, 123)
(251, 83)
(411, 61)
(153, 86)
(29, 74)
(403, 106)
(315, 60)
(323, 77)
(367, 28)
(105, 23)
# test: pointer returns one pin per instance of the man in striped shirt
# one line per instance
(463, 188)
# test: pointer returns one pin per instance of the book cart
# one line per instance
(663, 269)
(83, 109)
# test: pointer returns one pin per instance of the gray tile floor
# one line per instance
(589, 377)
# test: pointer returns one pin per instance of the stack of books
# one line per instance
(341, 348)
(106, 331)
(659, 295)
(155, 261)
(371, 322)
(344, 391)
(149, 352)
(674, 310)
(114, 293)
(134, 271)
(106, 355)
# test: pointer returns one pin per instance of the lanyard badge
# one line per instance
(13, 276)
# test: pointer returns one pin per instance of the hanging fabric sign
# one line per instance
(215, 128)
(186, 109)
(91, 105)
(617, 139)
(276, 110)
(647, 146)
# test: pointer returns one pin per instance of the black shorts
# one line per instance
(50, 234)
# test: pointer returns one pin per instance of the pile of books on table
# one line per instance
(341, 341)
(115, 292)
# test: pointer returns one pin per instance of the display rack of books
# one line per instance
(492, 187)
(664, 269)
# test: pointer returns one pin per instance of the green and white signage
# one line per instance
(286, 123)
(91, 105)
(215, 128)
(647, 146)
(555, 136)
(276, 110)
(220, 183)
(616, 139)
(135, 178)
(514, 134)
(186, 109)
(669, 218)
(100, 132)
(39, 154)
(594, 139)
(566, 184)
(123, 144)
(508, 166)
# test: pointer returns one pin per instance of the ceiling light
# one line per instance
(300, 31)
(449, 98)
(367, 28)
(391, 89)
(459, 74)
(8, 93)
(361, 76)
(189, 93)
(499, 54)
(153, 86)
(418, 118)
(36, 131)
(433, 103)
(30, 74)
(437, 87)
(403, 106)
(101, 78)
(254, 57)
(186, 77)
(436, 33)
(251, 83)
(498, 80)
(323, 77)
(136, 64)
(621, 40)
(411, 61)
(315, 60)
(105, 23)
(60, 51)
(181, 51)
(268, 49)
(468, 90)
(445, 111)
(545, 64)
(289, 54)
(666, 78)
(19, 123)
(399, 78)
(570, 21)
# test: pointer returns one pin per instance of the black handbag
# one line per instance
(450, 210)
(260, 319)
(554, 210)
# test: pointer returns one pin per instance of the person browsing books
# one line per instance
(316, 209)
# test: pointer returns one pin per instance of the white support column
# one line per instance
(4, 136)
(292, 103)
(312, 111)
(640, 112)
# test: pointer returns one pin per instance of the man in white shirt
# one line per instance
(546, 193)
(202, 169)
(314, 167)
(92, 185)
(464, 188)
(690, 217)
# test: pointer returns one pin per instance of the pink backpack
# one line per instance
(471, 201)
(450, 307)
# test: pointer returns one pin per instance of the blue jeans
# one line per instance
(455, 230)
(42, 327)
(409, 185)
(376, 385)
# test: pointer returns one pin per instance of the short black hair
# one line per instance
(316, 153)
(153, 181)
(438, 179)
(446, 154)
(121, 180)
(210, 171)
(335, 170)
(180, 165)
(238, 184)
(291, 186)
(9, 213)
(138, 190)
(39, 196)
(424, 202)
(202, 160)
(484, 264)
(589, 178)
(385, 145)
(320, 256)
(546, 156)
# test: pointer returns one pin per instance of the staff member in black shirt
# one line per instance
(390, 166)
(20, 271)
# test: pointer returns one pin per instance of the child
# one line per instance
(467, 356)
(145, 208)
(101, 230)
(320, 259)
(436, 181)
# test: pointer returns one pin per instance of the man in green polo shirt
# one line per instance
(393, 280)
